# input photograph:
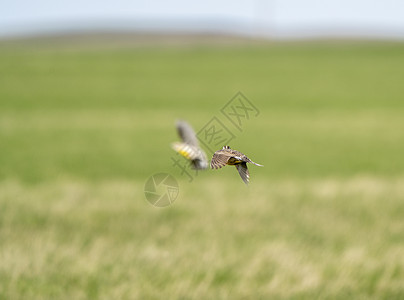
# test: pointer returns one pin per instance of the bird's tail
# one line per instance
(256, 164)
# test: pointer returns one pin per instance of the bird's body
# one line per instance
(189, 147)
(227, 156)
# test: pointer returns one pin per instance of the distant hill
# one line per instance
(110, 39)
(139, 39)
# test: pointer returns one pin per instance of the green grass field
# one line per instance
(81, 130)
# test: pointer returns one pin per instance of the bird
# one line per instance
(189, 147)
(228, 156)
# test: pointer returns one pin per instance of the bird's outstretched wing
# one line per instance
(243, 171)
(219, 159)
(186, 133)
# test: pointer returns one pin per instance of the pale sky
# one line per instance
(280, 17)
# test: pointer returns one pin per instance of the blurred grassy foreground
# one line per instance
(82, 130)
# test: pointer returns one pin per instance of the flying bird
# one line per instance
(227, 156)
(189, 147)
